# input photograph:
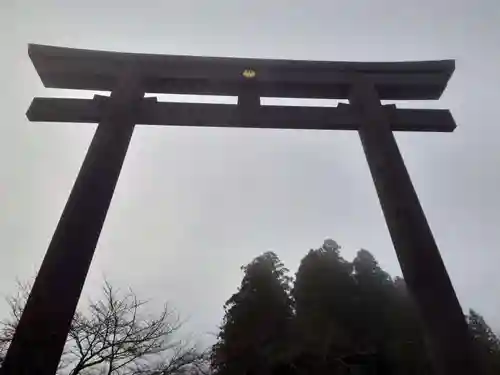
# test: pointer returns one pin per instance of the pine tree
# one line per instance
(353, 318)
(486, 342)
(255, 332)
(346, 318)
(407, 348)
(324, 301)
(374, 290)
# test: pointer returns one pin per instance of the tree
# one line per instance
(486, 342)
(353, 318)
(324, 302)
(255, 330)
(347, 318)
(408, 345)
(114, 336)
(374, 290)
(373, 330)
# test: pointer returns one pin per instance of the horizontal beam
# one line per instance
(70, 68)
(227, 115)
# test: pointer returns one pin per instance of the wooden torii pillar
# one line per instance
(43, 328)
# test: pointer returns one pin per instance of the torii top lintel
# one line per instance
(70, 68)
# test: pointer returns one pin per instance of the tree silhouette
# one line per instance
(346, 318)
(339, 318)
(324, 295)
(255, 331)
(115, 335)
(486, 342)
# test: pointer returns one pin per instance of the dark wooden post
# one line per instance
(249, 103)
(418, 254)
(42, 331)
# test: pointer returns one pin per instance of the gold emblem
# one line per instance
(249, 73)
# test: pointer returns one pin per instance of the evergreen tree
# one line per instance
(255, 332)
(407, 348)
(486, 342)
(375, 292)
(353, 318)
(346, 318)
(324, 300)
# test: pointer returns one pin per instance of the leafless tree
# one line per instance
(114, 336)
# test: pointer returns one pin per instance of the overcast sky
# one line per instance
(193, 205)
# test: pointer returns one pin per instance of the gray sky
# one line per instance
(192, 205)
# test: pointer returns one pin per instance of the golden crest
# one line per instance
(249, 73)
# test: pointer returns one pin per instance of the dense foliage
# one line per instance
(256, 328)
(335, 317)
(338, 317)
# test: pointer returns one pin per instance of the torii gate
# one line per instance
(43, 328)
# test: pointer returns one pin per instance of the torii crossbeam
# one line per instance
(43, 328)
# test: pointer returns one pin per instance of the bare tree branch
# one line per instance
(114, 336)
